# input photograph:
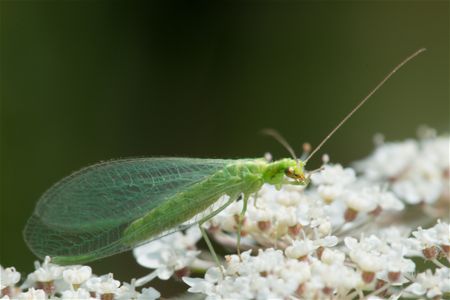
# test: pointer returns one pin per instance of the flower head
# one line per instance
(170, 253)
(76, 275)
(8, 277)
(105, 284)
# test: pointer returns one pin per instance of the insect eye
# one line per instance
(289, 171)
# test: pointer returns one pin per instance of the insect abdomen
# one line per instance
(179, 208)
(233, 180)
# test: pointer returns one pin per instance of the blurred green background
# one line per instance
(83, 81)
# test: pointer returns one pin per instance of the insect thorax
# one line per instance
(260, 172)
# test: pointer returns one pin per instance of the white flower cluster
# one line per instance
(351, 234)
(332, 238)
(371, 265)
(170, 255)
(417, 171)
(50, 281)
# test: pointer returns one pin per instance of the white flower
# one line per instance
(75, 295)
(389, 160)
(372, 196)
(361, 198)
(366, 253)
(303, 248)
(127, 291)
(200, 285)
(33, 294)
(325, 227)
(426, 237)
(76, 275)
(102, 285)
(442, 233)
(170, 253)
(393, 234)
(335, 213)
(330, 192)
(427, 242)
(334, 175)
(149, 294)
(47, 276)
(47, 271)
(415, 189)
(430, 284)
(336, 276)
(328, 241)
(397, 238)
(396, 268)
(332, 256)
(332, 180)
(259, 214)
(286, 216)
(300, 249)
(437, 151)
(367, 261)
(8, 277)
(388, 201)
(443, 274)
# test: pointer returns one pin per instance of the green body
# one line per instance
(111, 207)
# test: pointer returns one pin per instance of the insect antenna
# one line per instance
(316, 170)
(364, 100)
(277, 136)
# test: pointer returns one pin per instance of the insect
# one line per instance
(113, 206)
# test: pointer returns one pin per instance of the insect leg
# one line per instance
(241, 219)
(205, 235)
(256, 198)
(292, 182)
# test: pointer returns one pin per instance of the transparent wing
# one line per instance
(88, 210)
(120, 190)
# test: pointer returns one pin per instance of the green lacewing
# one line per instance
(113, 206)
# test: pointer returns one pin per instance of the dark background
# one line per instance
(83, 81)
